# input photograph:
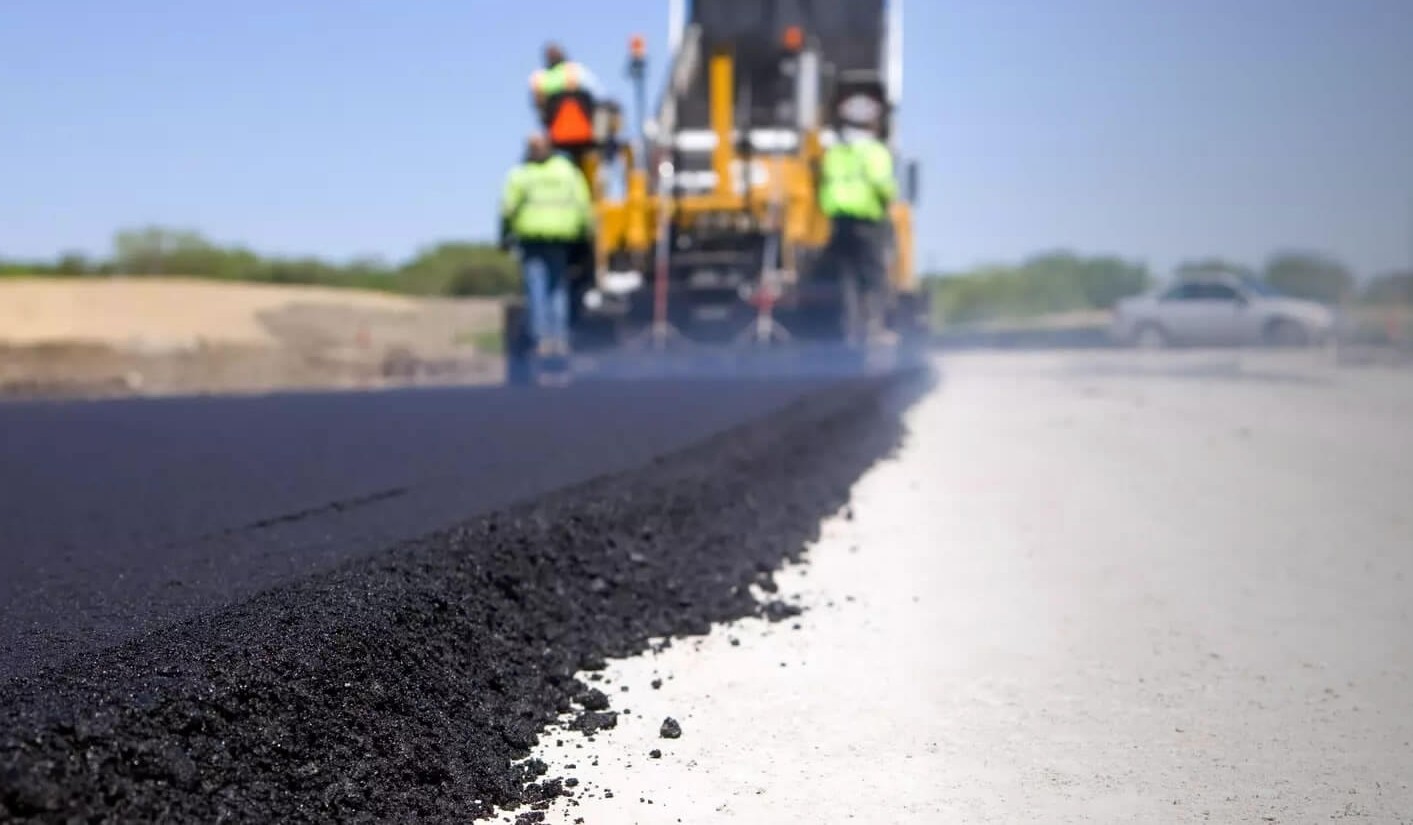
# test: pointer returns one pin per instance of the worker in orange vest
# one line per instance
(564, 94)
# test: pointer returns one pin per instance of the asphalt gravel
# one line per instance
(407, 684)
(118, 518)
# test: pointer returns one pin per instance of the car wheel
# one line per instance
(1150, 336)
(1286, 333)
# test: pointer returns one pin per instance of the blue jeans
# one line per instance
(546, 270)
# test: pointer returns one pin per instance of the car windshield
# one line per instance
(1260, 287)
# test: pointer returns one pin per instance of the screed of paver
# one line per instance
(1083, 592)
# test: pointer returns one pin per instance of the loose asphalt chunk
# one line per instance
(593, 699)
(411, 685)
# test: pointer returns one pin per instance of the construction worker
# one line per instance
(855, 190)
(546, 211)
(565, 94)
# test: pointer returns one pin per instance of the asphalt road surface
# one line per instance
(1090, 588)
(120, 517)
(1167, 587)
(411, 683)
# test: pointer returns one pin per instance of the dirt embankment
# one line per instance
(122, 336)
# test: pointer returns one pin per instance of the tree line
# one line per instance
(451, 268)
(1061, 281)
(1044, 284)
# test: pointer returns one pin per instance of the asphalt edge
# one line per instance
(311, 702)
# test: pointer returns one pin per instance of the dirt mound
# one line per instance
(159, 312)
(121, 336)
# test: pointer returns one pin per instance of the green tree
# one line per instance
(73, 263)
(1391, 288)
(155, 250)
(1048, 283)
(1309, 275)
(1211, 267)
(460, 268)
(1099, 281)
(13, 268)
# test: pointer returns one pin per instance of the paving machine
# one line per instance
(709, 230)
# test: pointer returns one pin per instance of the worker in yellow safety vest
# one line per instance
(564, 95)
(546, 211)
(856, 188)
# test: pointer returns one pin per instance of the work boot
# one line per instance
(554, 362)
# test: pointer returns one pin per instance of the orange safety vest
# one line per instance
(569, 124)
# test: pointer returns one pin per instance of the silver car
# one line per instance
(1219, 311)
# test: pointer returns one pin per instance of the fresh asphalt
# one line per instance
(118, 518)
(409, 683)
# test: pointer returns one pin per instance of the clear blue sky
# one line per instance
(1156, 129)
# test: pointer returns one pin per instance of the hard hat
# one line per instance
(860, 110)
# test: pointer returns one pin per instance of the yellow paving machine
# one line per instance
(709, 230)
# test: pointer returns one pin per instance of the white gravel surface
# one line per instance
(1091, 588)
